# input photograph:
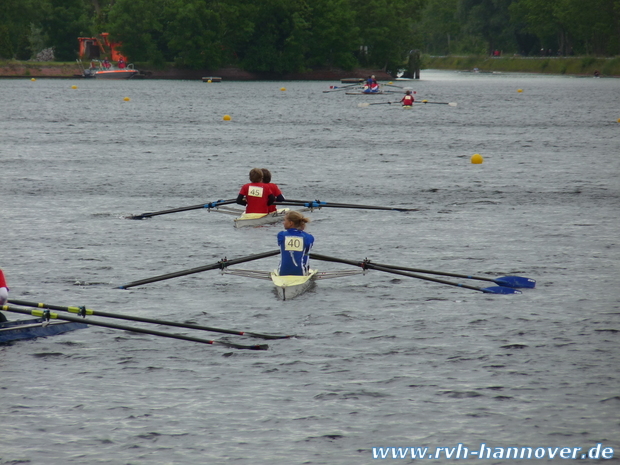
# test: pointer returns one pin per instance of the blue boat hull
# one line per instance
(38, 327)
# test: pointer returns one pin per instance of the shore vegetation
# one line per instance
(285, 36)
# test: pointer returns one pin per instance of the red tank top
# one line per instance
(256, 195)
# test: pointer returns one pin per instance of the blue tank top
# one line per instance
(295, 246)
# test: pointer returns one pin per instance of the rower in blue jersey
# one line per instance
(295, 245)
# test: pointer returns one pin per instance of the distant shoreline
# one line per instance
(578, 66)
(29, 69)
(574, 66)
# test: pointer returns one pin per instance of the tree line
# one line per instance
(282, 36)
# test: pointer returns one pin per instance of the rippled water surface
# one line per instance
(379, 359)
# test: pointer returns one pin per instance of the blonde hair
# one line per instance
(256, 175)
(299, 221)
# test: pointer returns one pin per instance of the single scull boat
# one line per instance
(33, 328)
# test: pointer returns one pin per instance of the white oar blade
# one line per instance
(363, 104)
(452, 104)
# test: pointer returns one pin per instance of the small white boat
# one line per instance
(98, 70)
(289, 287)
(253, 219)
(116, 73)
(256, 219)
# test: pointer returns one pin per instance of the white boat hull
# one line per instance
(270, 218)
(116, 74)
(289, 287)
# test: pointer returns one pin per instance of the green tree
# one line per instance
(439, 26)
(540, 19)
(64, 22)
(16, 18)
(280, 37)
(139, 26)
(572, 26)
(193, 34)
(334, 37)
(388, 29)
(593, 28)
(488, 20)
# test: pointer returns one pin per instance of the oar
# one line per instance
(366, 104)
(508, 281)
(337, 88)
(50, 315)
(366, 264)
(215, 204)
(489, 290)
(319, 204)
(452, 104)
(82, 311)
(219, 265)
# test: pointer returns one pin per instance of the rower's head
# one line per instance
(294, 219)
(408, 92)
(256, 175)
(266, 175)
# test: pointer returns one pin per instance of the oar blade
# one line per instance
(500, 290)
(363, 104)
(516, 282)
(452, 104)
(209, 205)
(319, 204)
(221, 265)
(239, 346)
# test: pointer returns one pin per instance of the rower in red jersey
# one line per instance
(256, 195)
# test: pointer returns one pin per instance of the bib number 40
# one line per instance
(294, 243)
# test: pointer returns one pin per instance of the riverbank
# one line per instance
(29, 69)
(580, 66)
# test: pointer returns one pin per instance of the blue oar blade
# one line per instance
(500, 290)
(516, 281)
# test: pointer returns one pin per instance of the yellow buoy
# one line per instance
(618, 120)
(424, 101)
(519, 90)
(476, 159)
(126, 99)
(209, 80)
(390, 83)
(226, 118)
(282, 89)
(33, 79)
(74, 87)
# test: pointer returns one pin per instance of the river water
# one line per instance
(379, 360)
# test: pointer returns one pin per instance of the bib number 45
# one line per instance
(255, 191)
